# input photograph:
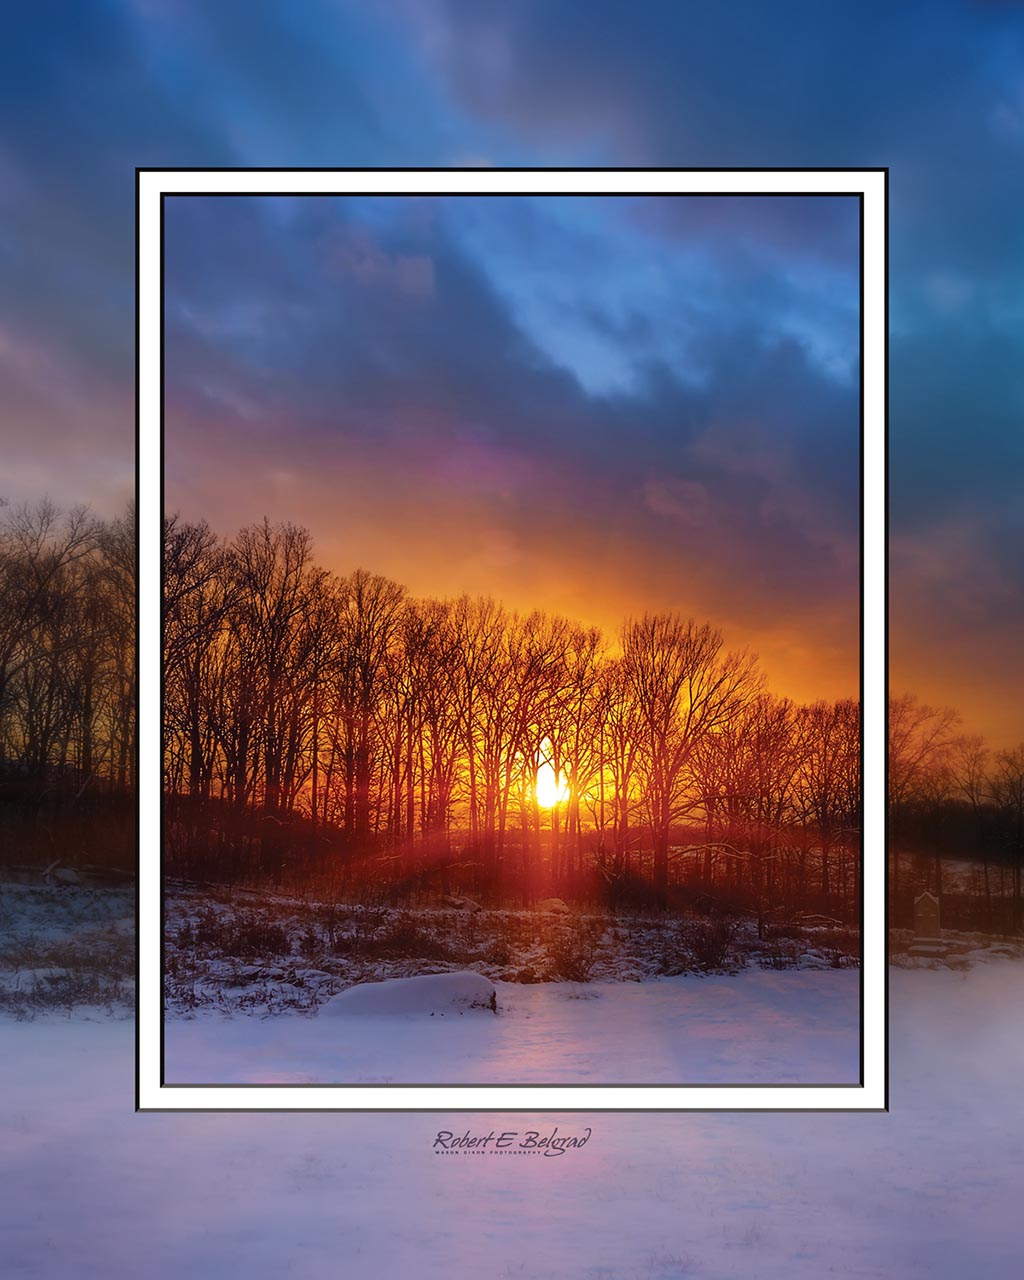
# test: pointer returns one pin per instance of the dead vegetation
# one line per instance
(65, 949)
(225, 951)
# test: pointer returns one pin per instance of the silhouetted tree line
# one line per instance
(317, 721)
(336, 722)
(953, 797)
(67, 671)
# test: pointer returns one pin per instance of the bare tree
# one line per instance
(685, 689)
(1007, 790)
(969, 768)
(379, 726)
(920, 740)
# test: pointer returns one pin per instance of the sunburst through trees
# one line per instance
(324, 725)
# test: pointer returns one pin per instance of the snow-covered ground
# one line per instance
(431, 994)
(64, 947)
(581, 998)
(796, 1026)
(930, 1191)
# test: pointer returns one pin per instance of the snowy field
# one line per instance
(580, 998)
(756, 1027)
(930, 1190)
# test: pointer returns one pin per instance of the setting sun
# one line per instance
(552, 788)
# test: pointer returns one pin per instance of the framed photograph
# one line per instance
(512, 616)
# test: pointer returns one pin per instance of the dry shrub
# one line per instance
(245, 936)
(400, 938)
(709, 942)
(499, 952)
(697, 946)
(781, 953)
(573, 951)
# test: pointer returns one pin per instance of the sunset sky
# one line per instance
(597, 406)
(933, 90)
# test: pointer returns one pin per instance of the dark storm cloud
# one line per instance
(89, 91)
(813, 227)
(932, 90)
(335, 334)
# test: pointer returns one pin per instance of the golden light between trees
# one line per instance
(551, 788)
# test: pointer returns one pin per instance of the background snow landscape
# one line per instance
(94, 1190)
(929, 1190)
(576, 335)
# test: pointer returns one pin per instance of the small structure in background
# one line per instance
(928, 941)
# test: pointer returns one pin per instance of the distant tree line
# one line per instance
(953, 797)
(67, 685)
(336, 720)
(343, 719)
(67, 649)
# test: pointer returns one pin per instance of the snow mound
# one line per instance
(427, 993)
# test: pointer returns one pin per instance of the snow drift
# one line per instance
(435, 993)
(761, 1026)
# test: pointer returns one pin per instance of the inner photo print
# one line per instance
(511, 639)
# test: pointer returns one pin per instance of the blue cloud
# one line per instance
(933, 90)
